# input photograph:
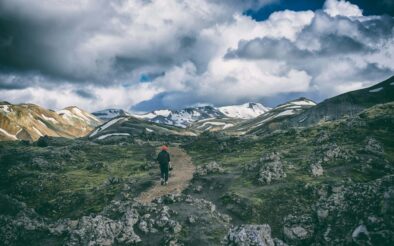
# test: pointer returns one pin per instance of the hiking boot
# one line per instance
(166, 183)
(162, 181)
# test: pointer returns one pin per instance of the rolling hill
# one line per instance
(30, 121)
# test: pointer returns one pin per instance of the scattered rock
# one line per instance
(210, 168)
(113, 180)
(317, 169)
(373, 146)
(246, 235)
(198, 189)
(191, 219)
(298, 228)
(361, 234)
(95, 166)
(272, 169)
(100, 230)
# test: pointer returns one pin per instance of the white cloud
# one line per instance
(92, 52)
(63, 96)
(342, 8)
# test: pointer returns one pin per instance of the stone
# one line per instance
(271, 169)
(373, 146)
(316, 169)
(100, 230)
(298, 228)
(246, 235)
(209, 168)
(191, 219)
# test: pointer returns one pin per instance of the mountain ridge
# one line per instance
(29, 122)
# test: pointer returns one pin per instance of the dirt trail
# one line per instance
(180, 176)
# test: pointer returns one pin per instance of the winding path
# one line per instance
(179, 179)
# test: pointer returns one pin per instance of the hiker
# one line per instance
(164, 160)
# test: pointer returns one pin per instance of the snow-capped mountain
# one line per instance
(182, 118)
(29, 122)
(244, 111)
(108, 114)
(278, 113)
(185, 117)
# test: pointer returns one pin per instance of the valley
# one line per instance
(300, 173)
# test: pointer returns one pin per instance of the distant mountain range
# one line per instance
(185, 117)
(108, 114)
(29, 122)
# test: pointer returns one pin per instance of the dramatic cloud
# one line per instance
(174, 53)
(340, 49)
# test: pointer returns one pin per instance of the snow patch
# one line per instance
(376, 90)
(76, 113)
(111, 122)
(5, 108)
(227, 126)
(285, 113)
(244, 111)
(108, 114)
(37, 131)
(53, 120)
(149, 130)
(106, 125)
(151, 115)
(8, 134)
(392, 83)
(112, 134)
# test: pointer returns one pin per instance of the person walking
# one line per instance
(164, 160)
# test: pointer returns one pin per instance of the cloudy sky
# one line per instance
(142, 55)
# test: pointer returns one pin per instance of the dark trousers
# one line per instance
(164, 172)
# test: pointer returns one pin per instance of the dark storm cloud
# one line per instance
(121, 52)
(38, 41)
(85, 94)
(284, 49)
(54, 39)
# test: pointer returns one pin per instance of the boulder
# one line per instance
(317, 169)
(373, 146)
(271, 169)
(209, 168)
(247, 235)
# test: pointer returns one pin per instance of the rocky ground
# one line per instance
(328, 184)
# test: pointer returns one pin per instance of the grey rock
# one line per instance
(298, 228)
(209, 168)
(247, 235)
(100, 230)
(272, 169)
(317, 169)
(373, 146)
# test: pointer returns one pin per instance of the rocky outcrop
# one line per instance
(317, 169)
(246, 235)
(298, 228)
(100, 230)
(272, 169)
(373, 146)
(209, 168)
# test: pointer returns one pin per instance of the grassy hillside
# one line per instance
(269, 178)
(72, 178)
